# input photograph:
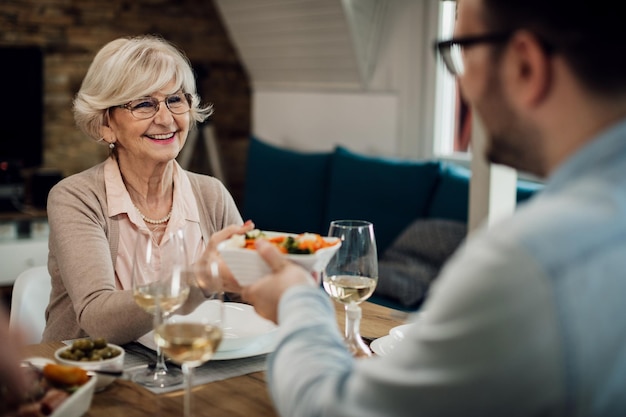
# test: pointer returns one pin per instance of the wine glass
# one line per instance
(351, 275)
(191, 340)
(160, 287)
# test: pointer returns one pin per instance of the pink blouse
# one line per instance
(184, 216)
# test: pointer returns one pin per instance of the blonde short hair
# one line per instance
(129, 68)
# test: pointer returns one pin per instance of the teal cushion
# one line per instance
(285, 190)
(451, 198)
(390, 193)
(526, 189)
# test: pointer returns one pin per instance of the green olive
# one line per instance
(86, 345)
(67, 354)
(99, 343)
(90, 350)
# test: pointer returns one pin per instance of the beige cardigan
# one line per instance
(82, 251)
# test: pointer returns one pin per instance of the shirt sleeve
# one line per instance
(486, 343)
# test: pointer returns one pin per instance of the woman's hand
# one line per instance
(204, 267)
(228, 232)
(266, 293)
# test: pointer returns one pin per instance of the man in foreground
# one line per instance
(526, 318)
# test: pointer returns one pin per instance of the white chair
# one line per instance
(31, 294)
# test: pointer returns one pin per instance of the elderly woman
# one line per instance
(139, 99)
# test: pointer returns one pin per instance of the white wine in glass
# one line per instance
(191, 340)
(352, 274)
(146, 297)
(348, 289)
(160, 287)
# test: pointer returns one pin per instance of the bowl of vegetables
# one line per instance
(52, 390)
(309, 250)
(105, 359)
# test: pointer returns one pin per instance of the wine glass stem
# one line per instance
(160, 367)
(353, 320)
(188, 375)
(160, 362)
(353, 332)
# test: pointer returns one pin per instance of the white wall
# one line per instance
(393, 115)
(312, 121)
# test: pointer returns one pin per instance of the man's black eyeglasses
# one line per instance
(451, 51)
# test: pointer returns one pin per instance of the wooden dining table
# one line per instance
(244, 396)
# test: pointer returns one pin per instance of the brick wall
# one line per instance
(72, 31)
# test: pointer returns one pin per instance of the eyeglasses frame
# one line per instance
(442, 48)
(127, 106)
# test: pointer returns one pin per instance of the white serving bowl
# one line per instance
(103, 380)
(247, 265)
(78, 402)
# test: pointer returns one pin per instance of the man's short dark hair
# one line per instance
(589, 34)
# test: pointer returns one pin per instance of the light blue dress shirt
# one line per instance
(528, 318)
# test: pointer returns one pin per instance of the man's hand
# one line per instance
(266, 293)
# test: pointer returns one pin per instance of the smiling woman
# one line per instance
(139, 98)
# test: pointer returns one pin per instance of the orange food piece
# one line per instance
(307, 245)
(277, 241)
(315, 245)
(65, 374)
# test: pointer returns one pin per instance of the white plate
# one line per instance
(242, 326)
(264, 344)
(247, 265)
(399, 332)
(383, 345)
(245, 332)
(38, 361)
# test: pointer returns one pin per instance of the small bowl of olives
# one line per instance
(93, 355)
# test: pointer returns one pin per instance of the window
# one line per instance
(452, 115)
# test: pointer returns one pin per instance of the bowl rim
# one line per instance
(223, 247)
(88, 363)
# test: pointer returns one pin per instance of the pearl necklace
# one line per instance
(152, 221)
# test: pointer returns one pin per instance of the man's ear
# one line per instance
(529, 69)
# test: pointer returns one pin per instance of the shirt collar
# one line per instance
(118, 199)
(606, 146)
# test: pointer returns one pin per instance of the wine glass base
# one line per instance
(157, 378)
(358, 348)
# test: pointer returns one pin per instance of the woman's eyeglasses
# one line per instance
(451, 51)
(146, 107)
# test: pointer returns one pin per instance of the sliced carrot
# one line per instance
(277, 240)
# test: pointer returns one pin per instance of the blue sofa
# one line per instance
(302, 192)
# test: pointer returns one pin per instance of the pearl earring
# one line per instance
(111, 145)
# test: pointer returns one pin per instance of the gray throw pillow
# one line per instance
(413, 261)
